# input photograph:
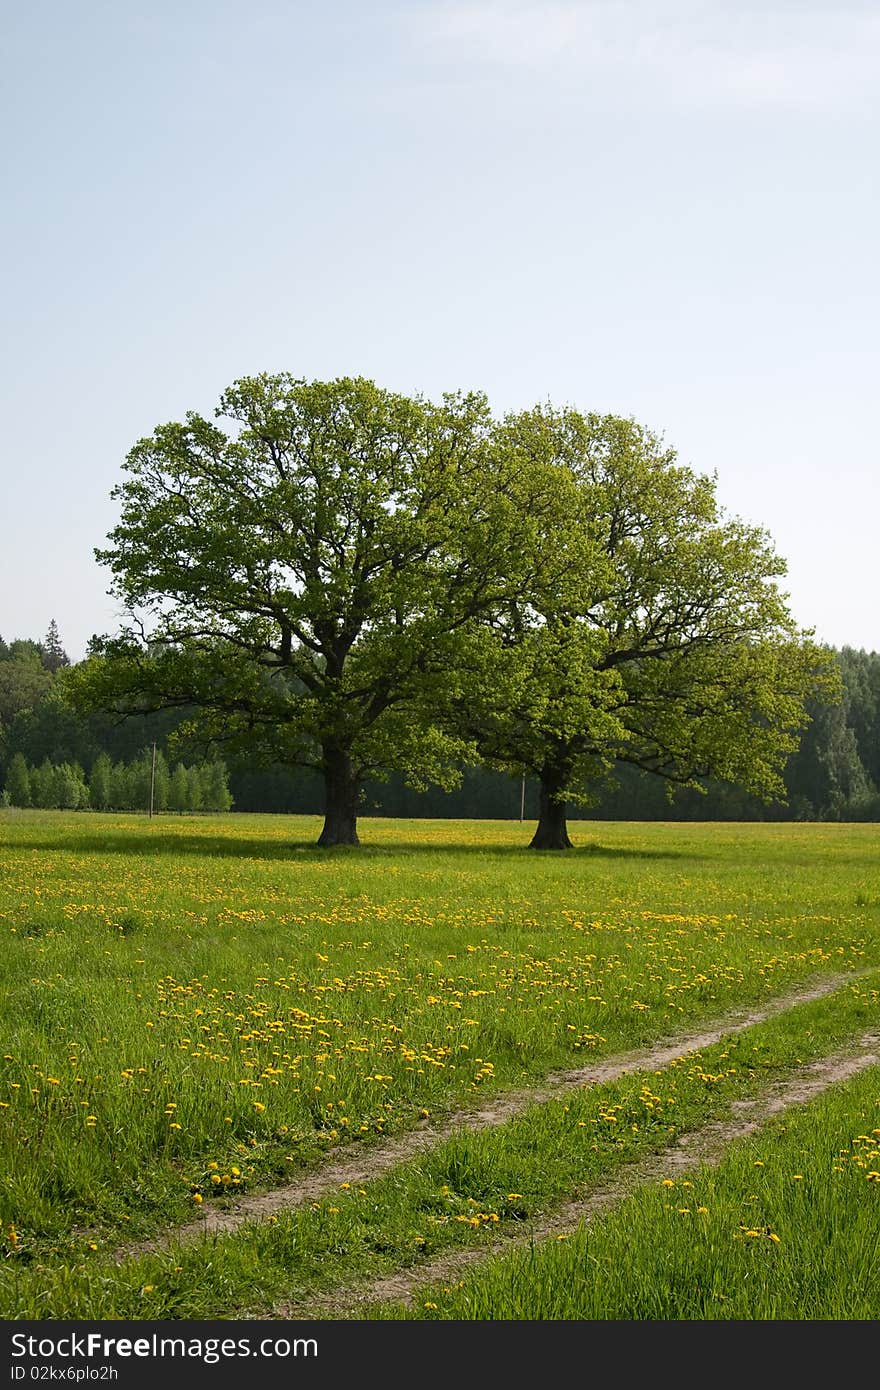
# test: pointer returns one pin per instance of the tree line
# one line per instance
(142, 784)
(833, 775)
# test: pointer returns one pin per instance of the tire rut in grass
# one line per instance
(706, 1146)
(364, 1166)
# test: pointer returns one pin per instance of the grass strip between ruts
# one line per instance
(787, 1227)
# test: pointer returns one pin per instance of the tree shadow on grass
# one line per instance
(160, 843)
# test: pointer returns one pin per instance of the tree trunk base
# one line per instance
(550, 837)
(552, 831)
(341, 798)
(338, 831)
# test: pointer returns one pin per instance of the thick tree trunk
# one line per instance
(552, 831)
(341, 798)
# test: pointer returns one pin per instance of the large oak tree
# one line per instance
(664, 643)
(302, 574)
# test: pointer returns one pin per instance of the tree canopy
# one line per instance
(347, 579)
(301, 579)
(668, 646)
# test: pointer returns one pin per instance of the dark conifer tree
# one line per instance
(54, 655)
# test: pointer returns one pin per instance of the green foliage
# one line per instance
(386, 592)
(24, 681)
(100, 781)
(43, 785)
(667, 645)
(162, 785)
(25, 650)
(67, 787)
(54, 655)
(814, 776)
(194, 789)
(305, 577)
(118, 786)
(121, 798)
(18, 782)
(834, 774)
(215, 787)
(178, 791)
(139, 777)
(861, 680)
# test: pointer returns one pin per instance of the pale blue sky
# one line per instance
(658, 208)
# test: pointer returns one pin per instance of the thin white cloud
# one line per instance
(696, 51)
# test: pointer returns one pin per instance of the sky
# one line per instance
(665, 209)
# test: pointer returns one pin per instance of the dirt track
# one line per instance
(364, 1165)
(703, 1146)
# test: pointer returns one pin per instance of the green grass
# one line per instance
(203, 991)
(462, 1193)
(787, 1227)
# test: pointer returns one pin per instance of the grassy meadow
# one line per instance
(196, 1009)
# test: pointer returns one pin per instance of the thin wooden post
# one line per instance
(153, 777)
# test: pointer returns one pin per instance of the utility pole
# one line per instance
(153, 777)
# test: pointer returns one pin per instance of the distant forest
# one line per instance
(96, 761)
